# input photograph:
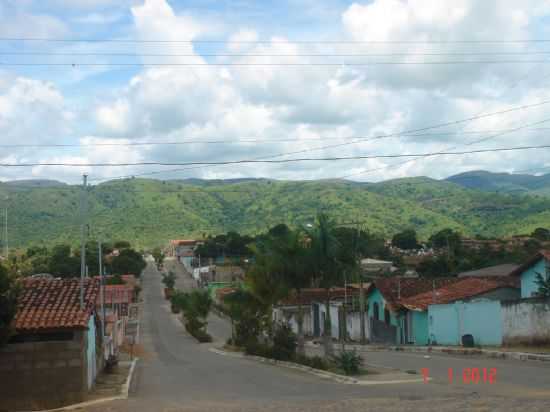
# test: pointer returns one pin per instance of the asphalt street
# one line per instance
(178, 374)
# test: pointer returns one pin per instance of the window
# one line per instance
(375, 311)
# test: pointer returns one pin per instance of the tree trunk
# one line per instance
(300, 320)
(327, 338)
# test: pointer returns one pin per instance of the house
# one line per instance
(313, 301)
(440, 316)
(184, 251)
(386, 323)
(527, 272)
(374, 266)
(53, 357)
(497, 270)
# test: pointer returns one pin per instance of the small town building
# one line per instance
(490, 271)
(54, 356)
(527, 272)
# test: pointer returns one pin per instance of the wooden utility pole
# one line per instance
(83, 238)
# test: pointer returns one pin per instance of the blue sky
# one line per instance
(284, 109)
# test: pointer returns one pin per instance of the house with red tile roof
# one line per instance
(52, 358)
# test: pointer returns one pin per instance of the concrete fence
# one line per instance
(526, 321)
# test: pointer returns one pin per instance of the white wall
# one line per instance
(526, 322)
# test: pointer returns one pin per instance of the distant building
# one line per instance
(490, 271)
(537, 264)
(184, 251)
(53, 358)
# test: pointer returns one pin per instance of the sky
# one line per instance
(236, 80)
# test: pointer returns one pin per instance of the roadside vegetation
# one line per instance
(195, 307)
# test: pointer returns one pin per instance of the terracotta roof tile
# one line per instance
(396, 288)
(46, 304)
(316, 295)
(464, 289)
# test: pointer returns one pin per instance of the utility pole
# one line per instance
(361, 296)
(83, 238)
(101, 288)
(6, 245)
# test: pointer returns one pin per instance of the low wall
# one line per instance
(481, 319)
(526, 322)
(43, 375)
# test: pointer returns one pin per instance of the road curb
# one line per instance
(523, 356)
(125, 389)
(312, 371)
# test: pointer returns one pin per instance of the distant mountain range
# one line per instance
(149, 212)
(503, 182)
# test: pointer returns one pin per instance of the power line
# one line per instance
(219, 41)
(400, 54)
(304, 159)
(209, 141)
(338, 64)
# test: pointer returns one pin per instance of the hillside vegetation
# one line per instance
(149, 212)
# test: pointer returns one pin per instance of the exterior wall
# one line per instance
(289, 314)
(420, 327)
(354, 326)
(376, 296)
(43, 375)
(528, 285)
(91, 353)
(526, 322)
(482, 319)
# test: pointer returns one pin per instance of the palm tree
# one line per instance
(325, 253)
(291, 258)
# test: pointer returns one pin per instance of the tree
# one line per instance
(247, 315)
(405, 240)
(9, 291)
(128, 261)
(290, 260)
(62, 263)
(543, 282)
(158, 256)
(122, 244)
(541, 234)
(446, 238)
(169, 280)
(329, 262)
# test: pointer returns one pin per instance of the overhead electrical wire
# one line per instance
(290, 41)
(303, 159)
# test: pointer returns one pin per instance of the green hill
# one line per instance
(149, 212)
(503, 182)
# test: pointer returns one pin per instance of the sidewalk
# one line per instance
(450, 350)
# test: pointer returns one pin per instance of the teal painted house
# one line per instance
(391, 322)
(539, 263)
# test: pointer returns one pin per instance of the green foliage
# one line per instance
(128, 261)
(247, 313)
(8, 303)
(541, 234)
(196, 306)
(62, 263)
(439, 266)
(169, 280)
(114, 280)
(316, 362)
(543, 283)
(446, 238)
(349, 361)
(230, 244)
(405, 240)
(123, 209)
(122, 244)
(158, 255)
(284, 343)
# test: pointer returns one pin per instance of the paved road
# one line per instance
(177, 374)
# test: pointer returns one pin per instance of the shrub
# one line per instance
(349, 362)
(169, 280)
(316, 362)
(258, 349)
(284, 343)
